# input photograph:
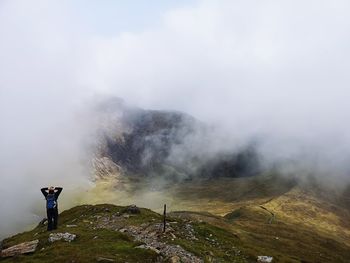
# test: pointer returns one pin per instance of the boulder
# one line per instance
(133, 209)
(22, 248)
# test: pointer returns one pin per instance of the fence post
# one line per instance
(164, 218)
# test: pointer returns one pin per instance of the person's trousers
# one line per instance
(52, 218)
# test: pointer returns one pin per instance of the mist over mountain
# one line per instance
(222, 90)
(168, 144)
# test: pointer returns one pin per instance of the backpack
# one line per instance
(51, 201)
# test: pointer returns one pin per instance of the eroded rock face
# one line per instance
(104, 168)
(23, 248)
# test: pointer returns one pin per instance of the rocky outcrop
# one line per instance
(104, 167)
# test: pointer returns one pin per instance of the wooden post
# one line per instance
(164, 218)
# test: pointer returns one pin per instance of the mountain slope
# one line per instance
(270, 214)
(167, 144)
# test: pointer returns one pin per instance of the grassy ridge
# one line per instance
(93, 242)
(89, 244)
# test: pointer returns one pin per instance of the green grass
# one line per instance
(253, 235)
(89, 244)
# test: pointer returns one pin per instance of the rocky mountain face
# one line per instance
(164, 143)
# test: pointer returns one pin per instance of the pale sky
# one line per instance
(109, 17)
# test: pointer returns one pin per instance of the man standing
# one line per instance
(51, 195)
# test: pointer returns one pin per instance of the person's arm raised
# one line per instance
(59, 190)
(43, 190)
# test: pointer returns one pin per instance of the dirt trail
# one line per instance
(272, 214)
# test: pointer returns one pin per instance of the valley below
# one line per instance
(265, 215)
(271, 214)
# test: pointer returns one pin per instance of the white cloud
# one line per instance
(273, 69)
(277, 69)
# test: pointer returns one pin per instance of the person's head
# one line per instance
(51, 189)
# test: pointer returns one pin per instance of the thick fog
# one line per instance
(272, 71)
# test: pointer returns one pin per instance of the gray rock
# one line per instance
(150, 248)
(133, 209)
(175, 259)
(23, 248)
(264, 259)
(102, 259)
(59, 236)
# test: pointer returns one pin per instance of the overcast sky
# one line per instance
(273, 69)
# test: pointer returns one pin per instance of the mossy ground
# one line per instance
(92, 242)
(89, 244)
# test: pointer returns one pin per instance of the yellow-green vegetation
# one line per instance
(274, 216)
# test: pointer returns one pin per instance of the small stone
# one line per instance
(150, 248)
(264, 259)
(142, 246)
(71, 225)
(154, 249)
(175, 259)
(102, 259)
